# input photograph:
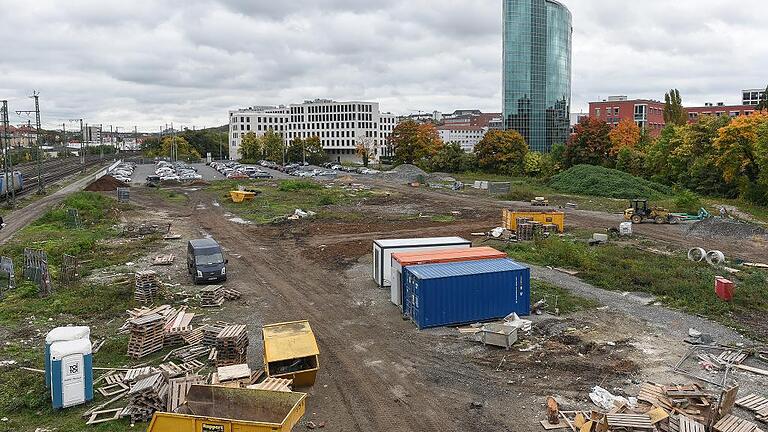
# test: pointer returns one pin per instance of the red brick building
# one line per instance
(647, 114)
(719, 110)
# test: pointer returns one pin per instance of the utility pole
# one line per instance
(7, 159)
(135, 137)
(40, 181)
(82, 144)
(101, 142)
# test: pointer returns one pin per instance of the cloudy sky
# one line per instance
(148, 63)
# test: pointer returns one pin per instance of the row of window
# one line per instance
(336, 108)
(695, 115)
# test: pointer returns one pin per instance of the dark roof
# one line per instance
(203, 243)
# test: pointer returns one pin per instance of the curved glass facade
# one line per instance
(537, 71)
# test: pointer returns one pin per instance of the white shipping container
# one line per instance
(383, 250)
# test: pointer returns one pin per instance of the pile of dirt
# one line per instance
(405, 173)
(106, 183)
(606, 182)
(440, 177)
(726, 229)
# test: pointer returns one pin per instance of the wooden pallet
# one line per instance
(732, 357)
(687, 424)
(753, 402)
(632, 421)
(731, 423)
(274, 384)
(178, 388)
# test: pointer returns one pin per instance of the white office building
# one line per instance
(466, 136)
(753, 96)
(340, 126)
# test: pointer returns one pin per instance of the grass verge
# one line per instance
(559, 299)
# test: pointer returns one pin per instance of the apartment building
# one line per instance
(340, 126)
(647, 114)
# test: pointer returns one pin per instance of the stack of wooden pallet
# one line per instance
(146, 335)
(178, 324)
(232, 294)
(178, 388)
(212, 296)
(232, 376)
(210, 331)
(145, 397)
(756, 404)
(690, 400)
(232, 345)
(172, 370)
(146, 286)
(192, 352)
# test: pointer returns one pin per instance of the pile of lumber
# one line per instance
(146, 335)
(212, 296)
(163, 260)
(172, 370)
(232, 345)
(145, 397)
(689, 400)
(232, 376)
(231, 294)
(756, 404)
(178, 388)
(146, 287)
(188, 353)
(178, 324)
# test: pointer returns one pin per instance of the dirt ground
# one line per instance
(377, 371)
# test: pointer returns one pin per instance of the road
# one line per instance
(20, 218)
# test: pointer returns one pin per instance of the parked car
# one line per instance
(205, 261)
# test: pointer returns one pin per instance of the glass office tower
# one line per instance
(537, 71)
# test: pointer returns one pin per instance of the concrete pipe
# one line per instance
(696, 254)
(715, 257)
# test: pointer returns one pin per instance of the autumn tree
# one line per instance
(590, 143)
(533, 163)
(625, 135)
(502, 152)
(743, 155)
(366, 149)
(451, 158)
(179, 148)
(251, 148)
(674, 113)
(413, 142)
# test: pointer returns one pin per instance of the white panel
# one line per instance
(73, 375)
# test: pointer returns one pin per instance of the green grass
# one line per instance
(172, 195)
(559, 298)
(605, 182)
(283, 197)
(25, 317)
(674, 280)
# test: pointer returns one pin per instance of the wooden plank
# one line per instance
(754, 370)
(562, 425)
(111, 414)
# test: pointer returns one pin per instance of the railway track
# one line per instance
(51, 171)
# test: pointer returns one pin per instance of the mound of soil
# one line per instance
(726, 229)
(106, 183)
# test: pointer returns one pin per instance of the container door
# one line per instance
(376, 266)
(73, 377)
(398, 288)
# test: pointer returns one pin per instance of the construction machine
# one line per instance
(540, 202)
(638, 212)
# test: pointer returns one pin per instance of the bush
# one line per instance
(298, 185)
(606, 182)
(687, 201)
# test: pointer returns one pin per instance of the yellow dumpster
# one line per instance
(509, 218)
(290, 351)
(240, 196)
(223, 409)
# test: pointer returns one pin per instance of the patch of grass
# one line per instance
(674, 280)
(559, 298)
(443, 218)
(283, 197)
(172, 195)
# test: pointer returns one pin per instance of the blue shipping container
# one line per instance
(465, 292)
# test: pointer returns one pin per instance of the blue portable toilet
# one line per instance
(71, 373)
(60, 334)
(465, 292)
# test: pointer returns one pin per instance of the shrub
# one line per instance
(606, 182)
(687, 201)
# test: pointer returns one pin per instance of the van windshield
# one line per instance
(208, 258)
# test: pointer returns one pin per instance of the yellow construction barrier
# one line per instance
(509, 218)
(240, 196)
(290, 351)
(223, 409)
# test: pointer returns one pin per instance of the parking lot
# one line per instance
(142, 171)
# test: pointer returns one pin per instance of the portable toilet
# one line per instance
(60, 334)
(71, 373)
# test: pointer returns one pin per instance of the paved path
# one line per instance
(20, 218)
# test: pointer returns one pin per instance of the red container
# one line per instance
(724, 288)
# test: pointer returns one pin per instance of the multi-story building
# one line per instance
(474, 118)
(537, 38)
(91, 135)
(720, 109)
(466, 136)
(340, 126)
(753, 96)
(646, 113)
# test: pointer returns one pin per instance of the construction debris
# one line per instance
(177, 326)
(163, 260)
(178, 388)
(145, 397)
(273, 384)
(212, 296)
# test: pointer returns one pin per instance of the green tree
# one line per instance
(451, 158)
(413, 142)
(152, 147)
(590, 144)
(314, 151)
(213, 141)
(763, 104)
(631, 161)
(273, 146)
(179, 147)
(533, 163)
(674, 113)
(502, 152)
(251, 148)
